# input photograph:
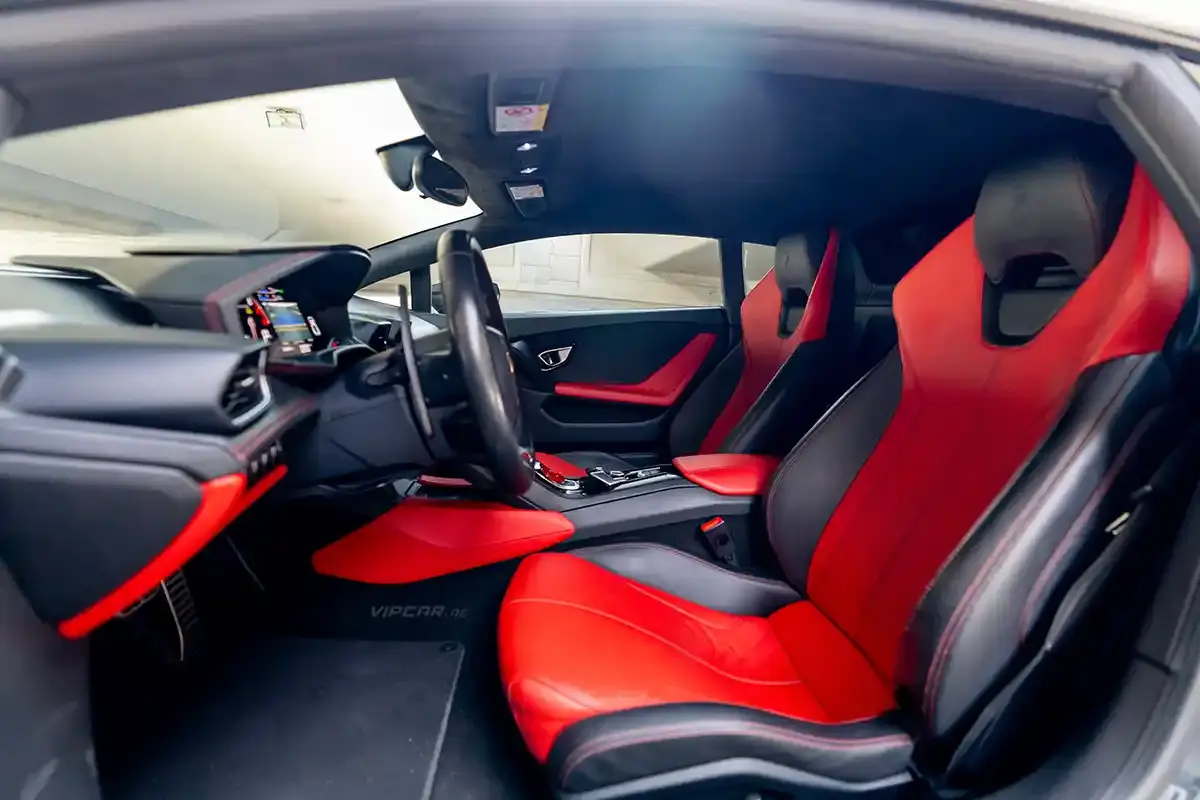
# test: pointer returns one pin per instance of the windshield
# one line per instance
(1177, 16)
(283, 168)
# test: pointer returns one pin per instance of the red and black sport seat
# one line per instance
(799, 317)
(929, 527)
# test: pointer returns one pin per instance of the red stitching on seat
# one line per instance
(952, 631)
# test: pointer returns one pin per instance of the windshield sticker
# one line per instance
(521, 119)
(285, 118)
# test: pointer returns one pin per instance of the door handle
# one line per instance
(554, 358)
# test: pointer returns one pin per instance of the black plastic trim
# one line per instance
(654, 509)
(1156, 110)
(73, 530)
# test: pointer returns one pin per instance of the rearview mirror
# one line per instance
(398, 159)
(439, 181)
(437, 301)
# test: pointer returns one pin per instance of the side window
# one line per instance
(595, 272)
(607, 272)
(757, 261)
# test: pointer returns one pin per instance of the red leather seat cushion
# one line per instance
(577, 640)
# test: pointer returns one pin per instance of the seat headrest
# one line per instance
(1066, 204)
(798, 259)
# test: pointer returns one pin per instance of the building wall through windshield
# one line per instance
(597, 272)
(606, 272)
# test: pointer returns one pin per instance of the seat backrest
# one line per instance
(817, 373)
(947, 499)
(805, 303)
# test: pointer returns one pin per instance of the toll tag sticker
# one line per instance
(521, 119)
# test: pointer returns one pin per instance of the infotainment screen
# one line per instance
(270, 317)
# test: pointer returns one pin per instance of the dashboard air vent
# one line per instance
(246, 396)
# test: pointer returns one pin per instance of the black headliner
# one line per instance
(739, 153)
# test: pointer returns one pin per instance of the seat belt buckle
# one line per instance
(720, 543)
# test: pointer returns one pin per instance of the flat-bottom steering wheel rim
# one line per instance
(481, 344)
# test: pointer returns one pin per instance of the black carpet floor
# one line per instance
(304, 718)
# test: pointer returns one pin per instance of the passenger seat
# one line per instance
(801, 314)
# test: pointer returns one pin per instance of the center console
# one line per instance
(703, 504)
(599, 480)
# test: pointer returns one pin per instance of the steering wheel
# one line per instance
(481, 343)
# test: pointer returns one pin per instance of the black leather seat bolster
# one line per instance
(1046, 528)
(793, 400)
(613, 749)
(705, 402)
(686, 576)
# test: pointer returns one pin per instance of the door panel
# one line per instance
(624, 376)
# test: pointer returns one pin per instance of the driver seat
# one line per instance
(929, 527)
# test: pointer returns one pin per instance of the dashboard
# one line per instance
(271, 317)
(142, 393)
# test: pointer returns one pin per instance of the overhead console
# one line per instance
(521, 151)
(519, 108)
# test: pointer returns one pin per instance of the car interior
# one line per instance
(891, 524)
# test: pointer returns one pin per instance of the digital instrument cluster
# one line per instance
(269, 316)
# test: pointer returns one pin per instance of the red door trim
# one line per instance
(663, 388)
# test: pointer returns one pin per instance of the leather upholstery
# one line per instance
(725, 412)
(934, 518)
(798, 262)
(693, 422)
(728, 474)
(684, 575)
(1067, 204)
(560, 607)
(971, 409)
(610, 749)
(841, 442)
(807, 384)
(764, 348)
(1042, 533)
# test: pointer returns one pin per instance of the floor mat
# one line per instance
(313, 719)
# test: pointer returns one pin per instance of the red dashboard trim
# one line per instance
(221, 501)
(423, 538)
(728, 473)
(662, 388)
